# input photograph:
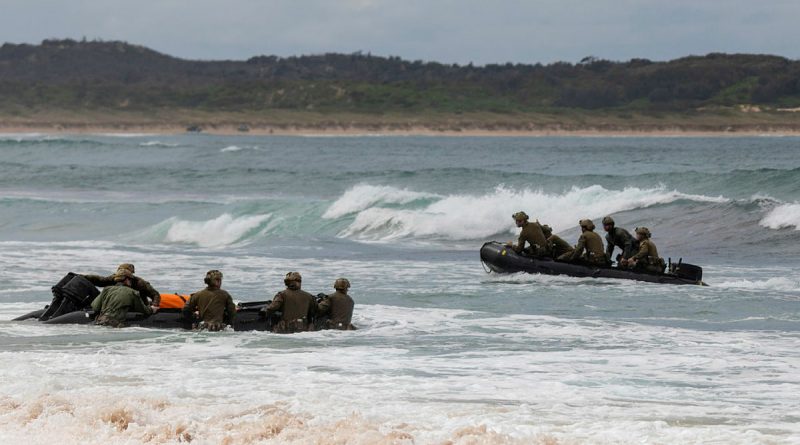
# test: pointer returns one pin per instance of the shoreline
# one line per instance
(390, 130)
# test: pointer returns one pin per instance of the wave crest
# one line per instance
(364, 196)
(469, 217)
(782, 217)
(221, 231)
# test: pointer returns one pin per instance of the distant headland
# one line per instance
(111, 86)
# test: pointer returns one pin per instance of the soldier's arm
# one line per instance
(276, 304)
(149, 291)
(609, 245)
(642, 252)
(100, 281)
(139, 306)
(579, 247)
(628, 249)
(190, 307)
(230, 310)
(312, 307)
(520, 242)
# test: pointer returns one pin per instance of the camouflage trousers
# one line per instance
(211, 326)
(291, 326)
(328, 324)
(105, 320)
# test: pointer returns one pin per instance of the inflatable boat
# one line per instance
(73, 295)
(498, 258)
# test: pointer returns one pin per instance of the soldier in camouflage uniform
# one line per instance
(531, 233)
(114, 303)
(214, 304)
(297, 306)
(338, 306)
(590, 247)
(557, 245)
(647, 258)
(148, 295)
(619, 237)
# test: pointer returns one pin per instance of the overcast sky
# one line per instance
(443, 30)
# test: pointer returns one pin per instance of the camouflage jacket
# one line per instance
(117, 301)
(293, 304)
(340, 308)
(148, 295)
(593, 245)
(532, 234)
(558, 246)
(619, 237)
(215, 306)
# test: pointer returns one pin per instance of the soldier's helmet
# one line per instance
(644, 231)
(127, 266)
(608, 221)
(586, 224)
(547, 230)
(122, 274)
(212, 275)
(341, 284)
(520, 216)
(293, 280)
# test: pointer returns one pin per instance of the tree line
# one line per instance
(110, 74)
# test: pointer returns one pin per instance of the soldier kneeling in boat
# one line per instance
(297, 306)
(556, 244)
(590, 247)
(531, 233)
(338, 307)
(647, 258)
(214, 305)
(147, 293)
(618, 237)
(114, 303)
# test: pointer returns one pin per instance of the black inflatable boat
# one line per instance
(73, 295)
(500, 259)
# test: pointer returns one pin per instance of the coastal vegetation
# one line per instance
(67, 82)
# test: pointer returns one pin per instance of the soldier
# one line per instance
(114, 303)
(339, 306)
(297, 306)
(148, 295)
(558, 246)
(589, 242)
(532, 233)
(619, 237)
(647, 258)
(214, 304)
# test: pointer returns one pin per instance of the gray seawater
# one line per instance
(445, 352)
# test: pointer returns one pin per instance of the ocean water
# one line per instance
(445, 353)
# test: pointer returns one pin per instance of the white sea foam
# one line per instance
(364, 196)
(467, 217)
(220, 231)
(234, 148)
(409, 375)
(157, 144)
(784, 284)
(782, 217)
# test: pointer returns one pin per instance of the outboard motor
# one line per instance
(72, 293)
(686, 271)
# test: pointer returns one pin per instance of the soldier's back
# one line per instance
(211, 304)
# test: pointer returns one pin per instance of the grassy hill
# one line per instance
(72, 83)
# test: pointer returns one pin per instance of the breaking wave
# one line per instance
(364, 196)
(782, 217)
(468, 217)
(221, 231)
